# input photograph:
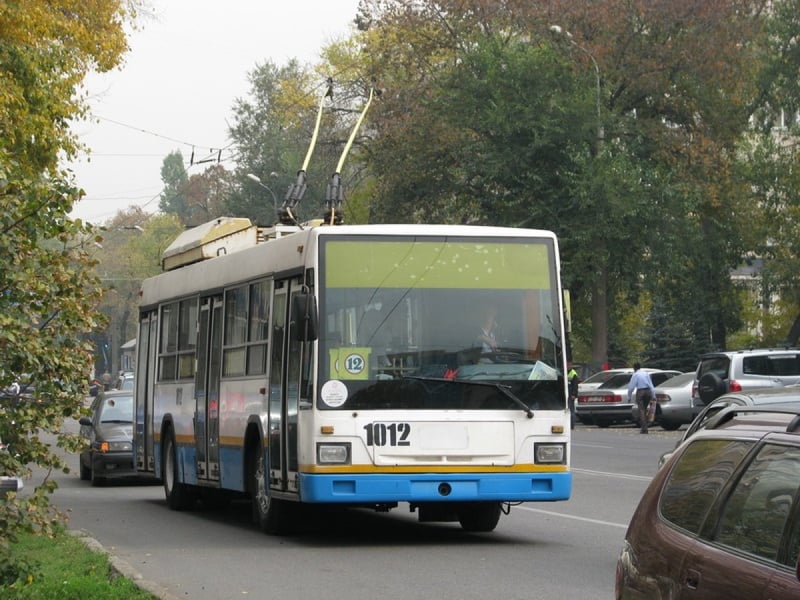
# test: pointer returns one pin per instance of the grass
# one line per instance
(64, 568)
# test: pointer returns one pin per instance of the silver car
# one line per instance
(595, 381)
(787, 396)
(675, 406)
(609, 403)
(742, 370)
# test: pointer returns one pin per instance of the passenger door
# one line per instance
(742, 547)
(146, 350)
(286, 373)
(206, 422)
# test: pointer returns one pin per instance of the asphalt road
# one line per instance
(564, 550)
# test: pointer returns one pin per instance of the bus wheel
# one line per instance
(479, 516)
(178, 495)
(269, 514)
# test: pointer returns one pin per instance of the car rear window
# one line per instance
(766, 364)
(617, 381)
(600, 377)
(696, 479)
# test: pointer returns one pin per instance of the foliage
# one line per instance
(205, 195)
(132, 244)
(174, 178)
(649, 102)
(61, 567)
(273, 130)
(48, 295)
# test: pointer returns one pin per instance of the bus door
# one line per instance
(206, 386)
(285, 363)
(146, 348)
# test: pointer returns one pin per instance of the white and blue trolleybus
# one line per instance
(357, 365)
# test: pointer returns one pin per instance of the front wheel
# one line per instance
(271, 515)
(179, 496)
(479, 516)
(85, 472)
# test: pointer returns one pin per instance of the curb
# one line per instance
(123, 568)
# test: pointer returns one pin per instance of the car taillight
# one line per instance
(734, 386)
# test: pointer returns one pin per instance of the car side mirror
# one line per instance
(86, 421)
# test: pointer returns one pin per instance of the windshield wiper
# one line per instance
(503, 389)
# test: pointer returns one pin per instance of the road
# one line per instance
(561, 550)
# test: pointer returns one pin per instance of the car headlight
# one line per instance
(333, 454)
(114, 446)
(553, 454)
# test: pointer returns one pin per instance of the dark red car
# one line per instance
(721, 519)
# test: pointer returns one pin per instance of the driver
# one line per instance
(486, 335)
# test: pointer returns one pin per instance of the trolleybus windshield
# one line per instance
(435, 323)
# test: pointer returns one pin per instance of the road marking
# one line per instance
(592, 445)
(574, 517)
(617, 475)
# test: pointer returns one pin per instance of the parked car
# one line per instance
(8, 483)
(675, 406)
(776, 397)
(109, 438)
(596, 380)
(125, 381)
(742, 370)
(609, 403)
(721, 520)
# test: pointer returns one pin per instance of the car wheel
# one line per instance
(270, 514)
(710, 387)
(669, 425)
(479, 516)
(85, 472)
(179, 496)
(602, 423)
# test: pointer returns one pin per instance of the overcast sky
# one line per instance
(176, 89)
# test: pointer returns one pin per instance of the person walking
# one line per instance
(645, 391)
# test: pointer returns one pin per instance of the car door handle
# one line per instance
(692, 579)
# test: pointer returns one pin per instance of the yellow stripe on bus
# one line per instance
(521, 468)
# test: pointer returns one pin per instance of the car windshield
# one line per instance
(419, 314)
(118, 409)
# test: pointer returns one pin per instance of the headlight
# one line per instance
(554, 454)
(333, 454)
(114, 446)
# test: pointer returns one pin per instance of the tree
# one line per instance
(206, 194)
(132, 244)
(48, 295)
(673, 86)
(273, 130)
(175, 179)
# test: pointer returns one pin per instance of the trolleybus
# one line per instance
(349, 365)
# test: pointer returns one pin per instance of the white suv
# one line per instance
(742, 370)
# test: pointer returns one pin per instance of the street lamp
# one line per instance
(599, 310)
(558, 30)
(257, 179)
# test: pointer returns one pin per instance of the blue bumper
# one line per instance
(435, 487)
